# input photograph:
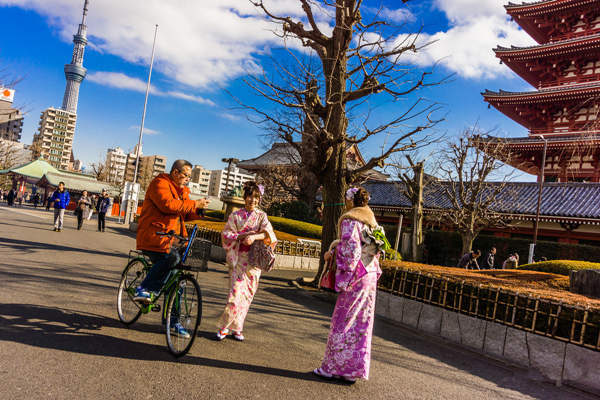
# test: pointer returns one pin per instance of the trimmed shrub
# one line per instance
(561, 267)
(218, 214)
(297, 210)
(294, 227)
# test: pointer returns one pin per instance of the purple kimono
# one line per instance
(348, 352)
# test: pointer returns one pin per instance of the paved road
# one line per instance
(60, 339)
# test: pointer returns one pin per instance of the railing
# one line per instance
(284, 247)
(565, 322)
(571, 81)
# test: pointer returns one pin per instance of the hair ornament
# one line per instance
(350, 193)
(261, 189)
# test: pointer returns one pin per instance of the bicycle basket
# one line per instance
(197, 258)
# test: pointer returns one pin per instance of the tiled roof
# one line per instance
(569, 200)
(78, 182)
(537, 140)
(34, 169)
(547, 45)
(565, 88)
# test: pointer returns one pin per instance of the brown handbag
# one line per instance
(262, 255)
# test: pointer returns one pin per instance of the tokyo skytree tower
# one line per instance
(74, 72)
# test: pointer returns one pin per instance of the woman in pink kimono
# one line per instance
(243, 228)
(348, 352)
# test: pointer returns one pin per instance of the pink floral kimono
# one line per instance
(348, 352)
(243, 277)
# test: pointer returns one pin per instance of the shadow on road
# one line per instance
(74, 331)
(28, 246)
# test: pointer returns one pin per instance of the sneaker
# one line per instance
(179, 330)
(238, 336)
(55, 229)
(222, 334)
(142, 295)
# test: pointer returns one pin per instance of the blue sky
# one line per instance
(204, 50)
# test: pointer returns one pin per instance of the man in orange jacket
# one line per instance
(166, 207)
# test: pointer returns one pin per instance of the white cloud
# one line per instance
(200, 44)
(398, 15)
(476, 27)
(147, 131)
(121, 81)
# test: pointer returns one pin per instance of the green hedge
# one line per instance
(561, 267)
(219, 214)
(443, 248)
(294, 227)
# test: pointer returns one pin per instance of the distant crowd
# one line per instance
(470, 260)
(85, 206)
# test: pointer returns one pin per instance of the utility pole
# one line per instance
(132, 208)
(539, 202)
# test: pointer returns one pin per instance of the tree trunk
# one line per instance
(417, 222)
(467, 242)
(334, 197)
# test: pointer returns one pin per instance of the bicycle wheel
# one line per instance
(184, 307)
(128, 309)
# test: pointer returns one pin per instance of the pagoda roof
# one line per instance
(524, 14)
(516, 57)
(512, 104)
(561, 202)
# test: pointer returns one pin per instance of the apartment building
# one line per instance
(220, 182)
(11, 119)
(149, 167)
(200, 180)
(116, 161)
(54, 140)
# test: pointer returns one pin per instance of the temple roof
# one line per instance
(559, 46)
(33, 170)
(525, 14)
(552, 93)
(561, 202)
(77, 182)
(284, 154)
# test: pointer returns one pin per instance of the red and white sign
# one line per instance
(7, 94)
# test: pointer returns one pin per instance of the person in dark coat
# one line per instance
(10, 197)
(488, 263)
(102, 209)
(36, 200)
(469, 260)
(82, 210)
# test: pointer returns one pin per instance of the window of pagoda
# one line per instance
(567, 72)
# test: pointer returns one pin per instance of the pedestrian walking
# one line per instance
(48, 203)
(61, 199)
(488, 262)
(10, 197)
(36, 200)
(348, 351)
(469, 260)
(102, 209)
(243, 228)
(82, 210)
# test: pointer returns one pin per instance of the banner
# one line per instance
(7, 94)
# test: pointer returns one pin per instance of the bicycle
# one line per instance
(183, 298)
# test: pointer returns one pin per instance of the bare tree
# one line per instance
(325, 108)
(8, 158)
(100, 169)
(466, 165)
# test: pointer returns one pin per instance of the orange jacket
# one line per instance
(165, 208)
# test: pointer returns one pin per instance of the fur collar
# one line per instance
(361, 214)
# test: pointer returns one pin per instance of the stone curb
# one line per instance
(546, 358)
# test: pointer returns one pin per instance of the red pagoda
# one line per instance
(564, 111)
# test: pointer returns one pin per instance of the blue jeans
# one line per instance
(162, 264)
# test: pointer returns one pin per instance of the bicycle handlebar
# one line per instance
(172, 234)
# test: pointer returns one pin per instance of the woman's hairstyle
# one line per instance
(359, 196)
(251, 187)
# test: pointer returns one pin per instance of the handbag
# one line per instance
(327, 279)
(262, 255)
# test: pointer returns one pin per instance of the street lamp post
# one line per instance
(539, 201)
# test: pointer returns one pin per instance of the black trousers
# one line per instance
(101, 221)
(79, 220)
